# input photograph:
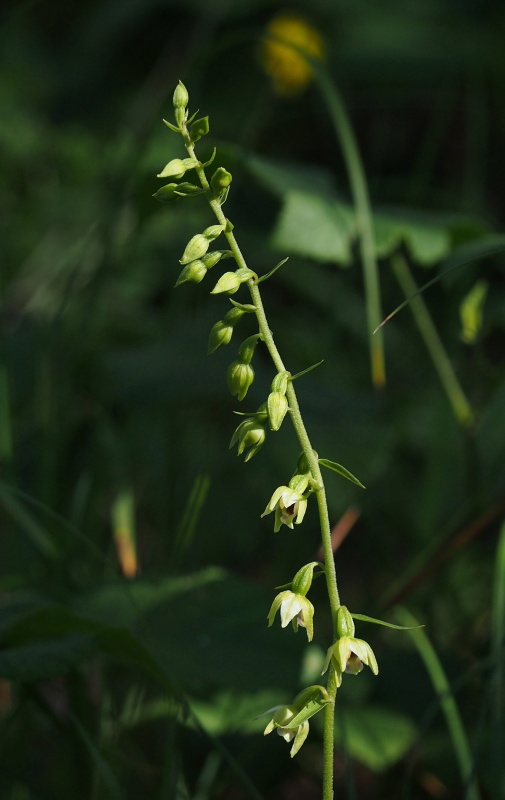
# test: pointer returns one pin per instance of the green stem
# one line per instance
(460, 405)
(312, 459)
(364, 219)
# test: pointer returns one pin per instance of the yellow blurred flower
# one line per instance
(289, 70)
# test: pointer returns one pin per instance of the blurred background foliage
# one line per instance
(135, 571)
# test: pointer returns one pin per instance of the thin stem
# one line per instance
(455, 394)
(364, 219)
(310, 455)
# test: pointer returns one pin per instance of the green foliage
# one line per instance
(116, 687)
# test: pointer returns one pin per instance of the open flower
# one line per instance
(288, 504)
(349, 654)
(292, 722)
(294, 608)
(281, 718)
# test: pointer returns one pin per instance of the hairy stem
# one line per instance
(311, 456)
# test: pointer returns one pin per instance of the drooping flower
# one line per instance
(289, 505)
(349, 654)
(292, 722)
(281, 718)
(294, 608)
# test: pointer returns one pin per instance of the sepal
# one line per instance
(199, 128)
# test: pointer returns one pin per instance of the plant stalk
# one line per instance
(312, 459)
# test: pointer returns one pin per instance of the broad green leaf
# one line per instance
(314, 226)
(341, 471)
(376, 736)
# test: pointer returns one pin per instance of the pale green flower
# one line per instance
(294, 608)
(288, 504)
(349, 654)
(281, 718)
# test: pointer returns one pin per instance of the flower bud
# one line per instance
(192, 273)
(177, 167)
(303, 465)
(222, 331)
(250, 433)
(220, 182)
(199, 128)
(299, 482)
(195, 248)
(240, 377)
(181, 97)
(277, 405)
(220, 334)
(303, 579)
(228, 283)
(213, 231)
(247, 348)
(180, 102)
(345, 622)
(166, 193)
(211, 259)
(280, 382)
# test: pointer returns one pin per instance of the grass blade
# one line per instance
(447, 703)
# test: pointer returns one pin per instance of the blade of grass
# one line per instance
(364, 220)
(29, 525)
(447, 702)
(102, 768)
(457, 399)
(497, 646)
(190, 516)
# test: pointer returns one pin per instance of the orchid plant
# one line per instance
(288, 503)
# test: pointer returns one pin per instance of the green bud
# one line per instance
(195, 248)
(240, 377)
(221, 178)
(199, 128)
(166, 193)
(220, 334)
(233, 316)
(186, 189)
(211, 259)
(192, 273)
(299, 482)
(280, 382)
(277, 405)
(172, 191)
(345, 622)
(177, 167)
(222, 331)
(181, 97)
(303, 579)
(228, 283)
(213, 231)
(250, 433)
(247, 348)
(303, 465)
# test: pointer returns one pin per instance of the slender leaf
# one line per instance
(341, 471)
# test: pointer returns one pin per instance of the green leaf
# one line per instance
(365, 618)
(269, 274)
(314, 226)
(305, 371)
(341, 471)
(376, 736)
